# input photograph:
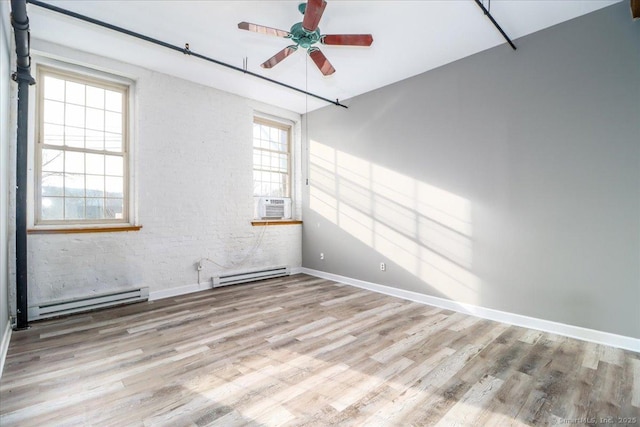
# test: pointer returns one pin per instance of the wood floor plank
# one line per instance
(473, 403)
(635, 391)
(304, 351)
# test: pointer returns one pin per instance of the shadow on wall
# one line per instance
(423, 229)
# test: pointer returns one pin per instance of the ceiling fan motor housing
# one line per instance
(303, 37)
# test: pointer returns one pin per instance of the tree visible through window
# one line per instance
(271, 159)
(81, 154)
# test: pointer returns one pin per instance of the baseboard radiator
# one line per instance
(79, 305)
(249, 276)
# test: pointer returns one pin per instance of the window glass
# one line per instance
(271, 159)
(82, 172)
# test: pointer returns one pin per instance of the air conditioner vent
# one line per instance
(274, 208)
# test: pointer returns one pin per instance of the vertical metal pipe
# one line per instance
(21, 206)
(20, 23)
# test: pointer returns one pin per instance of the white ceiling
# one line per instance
(410, 37)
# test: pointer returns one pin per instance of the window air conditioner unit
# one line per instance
(274, 208)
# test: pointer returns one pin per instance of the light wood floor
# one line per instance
(306, 351)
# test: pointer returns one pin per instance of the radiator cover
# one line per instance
(93, 302)
(234, 278)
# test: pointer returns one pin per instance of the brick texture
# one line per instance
(193, 172)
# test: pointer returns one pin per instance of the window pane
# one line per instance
(95, 164)
(52, 184)
(75, 93)
(74, 137)
(73, 185)
(263, 164)
(114, 186)
(73, 208)
(95, 208)
(53, 134)
(113, 101)
(113, 122)
(52, 208)
(95, 119)
(257, 184)
(95, 97)
(74, 162)
(94, 139)
(53, 160)
(114, 165)
(53, 88)
(114, 209)
(95, 186)
(113, 142)
(74, 115)
(53, 112)
(256, 131)
(274, 134)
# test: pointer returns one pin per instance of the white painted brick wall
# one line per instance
(6, 66)
(194, 184)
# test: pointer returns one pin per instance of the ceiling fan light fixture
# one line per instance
(307, 34)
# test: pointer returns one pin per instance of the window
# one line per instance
(81, 150)
(271, 159)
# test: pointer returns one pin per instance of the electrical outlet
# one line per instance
(321, 255)
(383, 266)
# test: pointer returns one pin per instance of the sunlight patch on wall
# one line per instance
(423, 229)
(359, 224)
(353, 168)
(400, 249)
(448, 209)
(321, 202)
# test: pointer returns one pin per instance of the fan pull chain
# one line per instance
(306, 110)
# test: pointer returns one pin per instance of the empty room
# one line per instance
(319, 212)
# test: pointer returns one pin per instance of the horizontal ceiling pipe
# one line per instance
(184, 50)
(486, 12)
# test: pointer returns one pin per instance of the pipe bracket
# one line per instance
(23, 75)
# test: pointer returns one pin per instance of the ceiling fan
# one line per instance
(306, 34)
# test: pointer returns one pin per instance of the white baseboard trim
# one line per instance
(4, 345)
(578, 332)
(295, 270)
(180, 290)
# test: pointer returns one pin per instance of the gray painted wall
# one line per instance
(509, 180)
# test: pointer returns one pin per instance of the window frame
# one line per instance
(82, 75)
(288, 128)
